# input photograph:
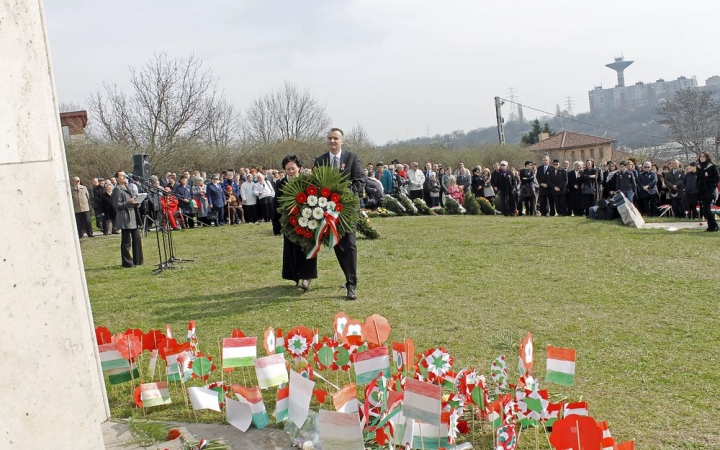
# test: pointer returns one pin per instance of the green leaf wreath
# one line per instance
(314, 203)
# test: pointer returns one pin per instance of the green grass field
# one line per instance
(639, 306)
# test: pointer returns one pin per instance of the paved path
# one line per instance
(116, 436)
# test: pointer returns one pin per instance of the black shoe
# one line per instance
(351, 293)
(305, 285)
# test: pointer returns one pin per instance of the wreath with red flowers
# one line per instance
(318, 209)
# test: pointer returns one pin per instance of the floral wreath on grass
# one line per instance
(318, 209)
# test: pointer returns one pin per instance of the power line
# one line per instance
(662, 138)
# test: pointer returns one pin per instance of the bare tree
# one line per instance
(224, 124)
(285, 114)
(69, 107)
(358, 138)
(172, 103)
(692, 118)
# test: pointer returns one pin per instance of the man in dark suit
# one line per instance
(349, 165)
(546, 197)
(557, 182)
(574, 189)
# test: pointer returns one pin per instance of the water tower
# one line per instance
(619, 66)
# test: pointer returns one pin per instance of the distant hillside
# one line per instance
(640, 121)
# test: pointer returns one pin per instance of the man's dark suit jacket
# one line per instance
(349, 166)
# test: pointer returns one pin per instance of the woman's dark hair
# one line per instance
(291, 158)
(707, 156)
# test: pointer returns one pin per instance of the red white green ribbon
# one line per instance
(327, 225)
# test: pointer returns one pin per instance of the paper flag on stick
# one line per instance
(299, 398)
(110, 357)
(281, 404)
(203, 398)
(422, 401)
(377, 329)
(123, 375)
(238, 352)
(154, 394)
(560, 365)
(152, 363)
(576, 408)
(269, 341)
(271, 370)
(345, 400)
(239, 414)
(576, 433)
(178, 363)
(429, 436)
(340, 431)
(368, 364)
(339, 324)
(253, 398)
(526, 353)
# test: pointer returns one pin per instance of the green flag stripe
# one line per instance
(565, 379)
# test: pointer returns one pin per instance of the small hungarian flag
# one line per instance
(369, 363)
(110, 357)
(281, 404)
(495, 414)
(253, 398)
(345, 400)
(271, 370)
(576, 408)
(607, 443)
(422, 401)
(340, 431)
(560, 365)
(552, 413)
(155, 394)
(123, 375)
(238, 352)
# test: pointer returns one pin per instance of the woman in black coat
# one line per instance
(295, 265)
(589, 192)
(107, 210)
(707, 185)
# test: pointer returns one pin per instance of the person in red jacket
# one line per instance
(169, 205)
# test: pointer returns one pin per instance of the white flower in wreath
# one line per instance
(331, 205)
(322, 202)
(303, 221)
(307, 213)
(318, 213)
(312, 224)
(312, 200)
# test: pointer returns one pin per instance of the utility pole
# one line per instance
(500, 120)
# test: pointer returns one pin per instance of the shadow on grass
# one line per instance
(228, 304)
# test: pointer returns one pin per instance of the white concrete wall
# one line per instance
(51, 386)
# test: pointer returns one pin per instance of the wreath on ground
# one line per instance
(318, 209)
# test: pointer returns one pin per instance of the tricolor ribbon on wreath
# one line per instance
(328, 226)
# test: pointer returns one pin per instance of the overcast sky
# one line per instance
(398, 68)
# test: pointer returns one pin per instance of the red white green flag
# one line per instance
(239, 352)
(271, 370)
(576, 408)
(422, 401)
(561, 365)
(155, 394)
(369, 363)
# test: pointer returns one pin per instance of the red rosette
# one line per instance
(103, 336)
(301, 198)
(334, 197)
(338, 207)
(129, 347)
(325, 192)
(293, 221)
(299, 230)
(294, 211)
(173, 434)
(311, 190)
(152, 339)
(308, 234)
(237, 333)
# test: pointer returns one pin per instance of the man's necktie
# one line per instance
(335, 162)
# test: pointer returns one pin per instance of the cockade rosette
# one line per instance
(318, 209)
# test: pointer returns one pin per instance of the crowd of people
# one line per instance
(549, 188)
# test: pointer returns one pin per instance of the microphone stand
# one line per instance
(166, 251)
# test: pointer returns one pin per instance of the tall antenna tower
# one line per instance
(513, 107)
(569, 105)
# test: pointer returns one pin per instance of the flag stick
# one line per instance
(547, 436)
(537, 439)
(422, 441)
(520, 432)
(577, 427)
